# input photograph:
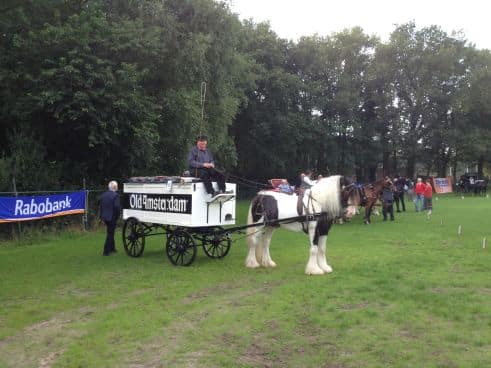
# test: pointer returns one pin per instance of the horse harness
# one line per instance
(367, 193)
(303, 210)
(306, 212)
(263, 207)
(370, 193)
(346, 193)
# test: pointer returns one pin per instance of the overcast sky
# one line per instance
(292, 19)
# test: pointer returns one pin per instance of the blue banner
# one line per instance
(38, 207)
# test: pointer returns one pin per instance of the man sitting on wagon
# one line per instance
(202, 165)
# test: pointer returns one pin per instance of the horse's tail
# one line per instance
(250, 230)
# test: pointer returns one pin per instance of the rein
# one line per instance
(245, 182)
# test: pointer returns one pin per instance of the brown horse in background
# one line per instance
(370, 194)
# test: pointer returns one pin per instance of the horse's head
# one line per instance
(388, 183)
(350, 198)
(336, 196)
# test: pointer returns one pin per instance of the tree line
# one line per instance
(104, 89)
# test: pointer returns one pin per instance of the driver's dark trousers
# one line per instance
(208, 175)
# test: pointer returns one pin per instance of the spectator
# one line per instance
(306, 181)
(387, 200)
(419, 191)
(285, 187)
(409, 189)
(399, 184)
(109, 210)
(428, 194)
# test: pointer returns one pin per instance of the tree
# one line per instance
(474, 130)
(268, 130)
(112, 89)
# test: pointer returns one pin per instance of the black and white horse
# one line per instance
(329, 199)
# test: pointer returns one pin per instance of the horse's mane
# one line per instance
(327, 193)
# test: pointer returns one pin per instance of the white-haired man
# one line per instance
(110, 209)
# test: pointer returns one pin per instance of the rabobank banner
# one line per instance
(39, 207)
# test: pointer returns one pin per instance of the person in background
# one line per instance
(388, 200)
(306, 181)
(285, 187)
(399, 184)
(409, 189)
(419, 192)
(428, 194)
(109, 212)
(202, 165)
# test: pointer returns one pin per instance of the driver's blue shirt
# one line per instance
(197, 158)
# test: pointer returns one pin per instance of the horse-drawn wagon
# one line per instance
(180, 209)
(185, 214)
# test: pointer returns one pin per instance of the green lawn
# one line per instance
(408, 293)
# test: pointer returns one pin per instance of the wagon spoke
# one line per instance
(133, 237)
(179, 259)
(217, 243)
(171, 251)
(180, 248)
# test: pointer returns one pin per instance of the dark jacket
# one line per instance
(399, 184)
(197, 158)
(110, 207)
(387, 195)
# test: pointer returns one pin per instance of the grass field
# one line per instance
(408, 293)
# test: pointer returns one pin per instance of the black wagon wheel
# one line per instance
(217, 243)
(180, 248)
(133, 237)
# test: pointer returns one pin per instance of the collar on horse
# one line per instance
(307, 211)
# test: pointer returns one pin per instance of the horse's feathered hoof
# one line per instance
(269, 264)
(314, 271)
(252, 264)
(327, 269)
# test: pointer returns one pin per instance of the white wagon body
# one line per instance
(183, 204)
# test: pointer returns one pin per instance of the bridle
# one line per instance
(346, 193)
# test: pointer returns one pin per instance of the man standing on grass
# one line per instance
(428, 196)
(399, 184)
(388, 200)
(419, 192)
(110, 209)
